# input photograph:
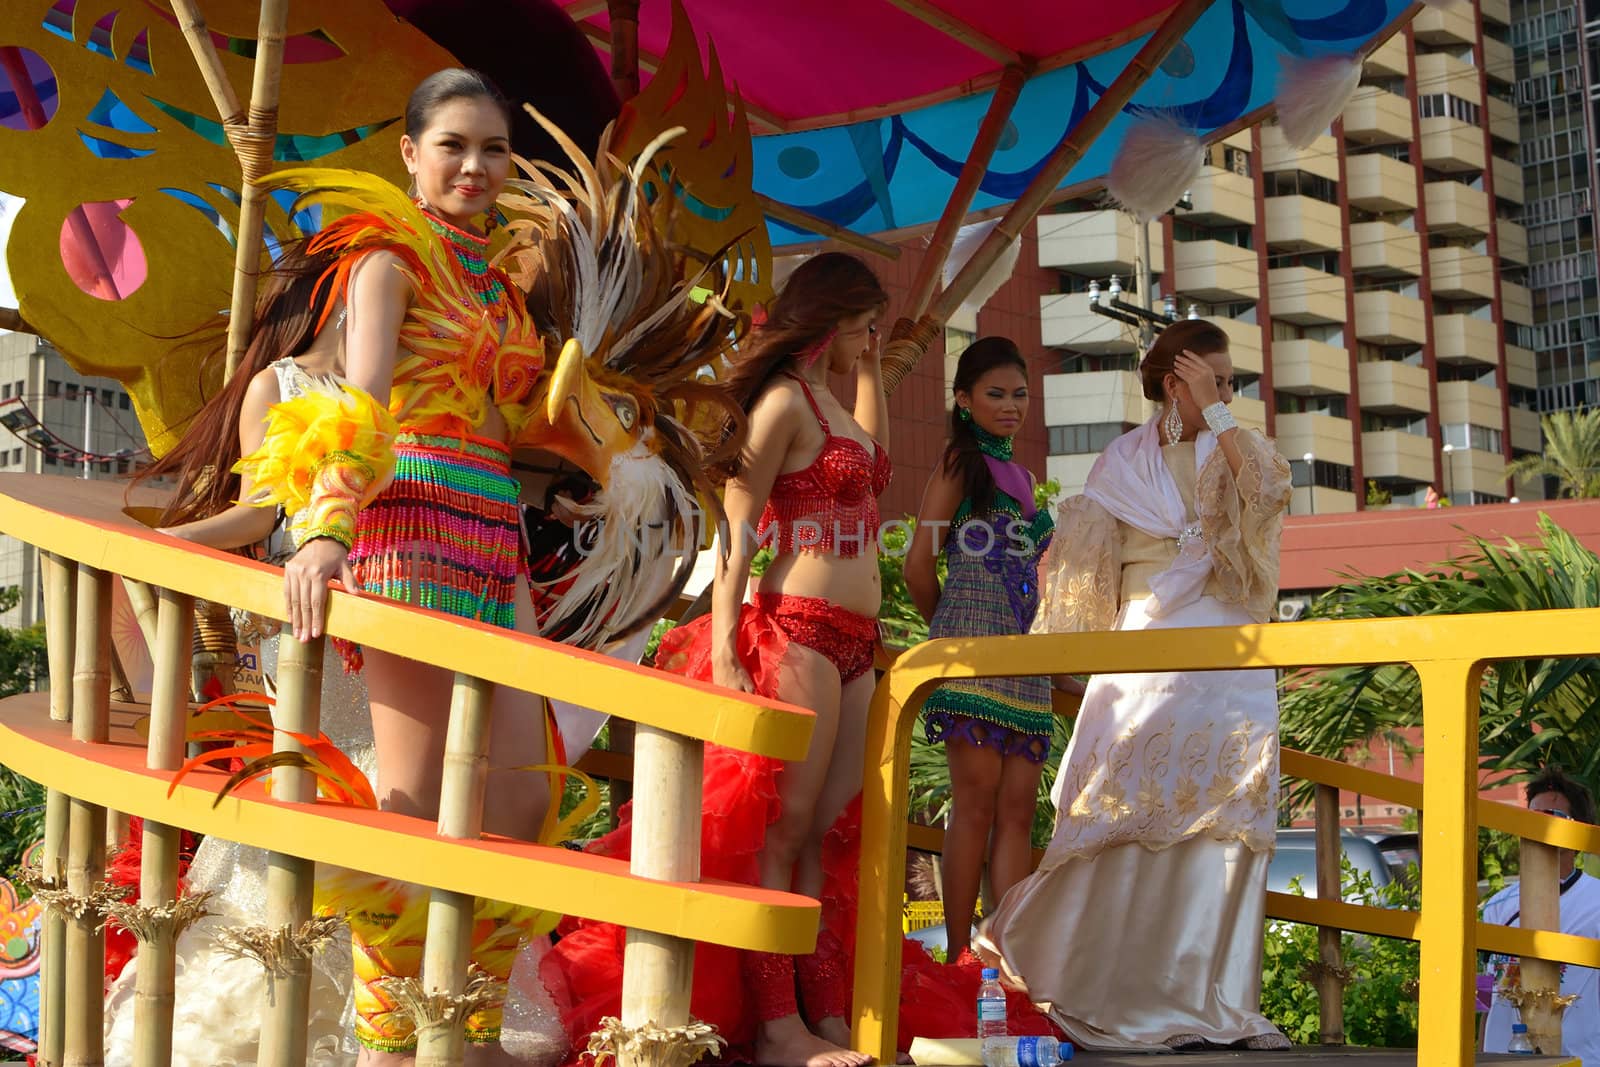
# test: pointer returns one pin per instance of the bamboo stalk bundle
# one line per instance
(287, 1011)
(60, 580)
(155, 988)
(449, 939)
(84, 1010)
(657, 970)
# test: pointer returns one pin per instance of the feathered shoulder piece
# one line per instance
(326, 454)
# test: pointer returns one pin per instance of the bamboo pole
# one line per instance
(60, 601)
(84, 1012)
(287, 1011)
(253, 140)
(155, 985)
(12, 319)
(1330, 976)
(972, 172)
(816, 224)
(624, 19)
(657, 970)
(143, 601)
(1539, 899)
(448, 948)
(900, 358)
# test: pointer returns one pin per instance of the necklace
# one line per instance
(992, 444)
(469, 251)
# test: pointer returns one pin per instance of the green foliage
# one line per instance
(18, 831)
(1533, 712)
(1380, 1008)
(1045, 493)
(1377, 495)
(1571, 453)
(899, 620)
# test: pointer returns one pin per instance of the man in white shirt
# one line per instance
(1553, 793)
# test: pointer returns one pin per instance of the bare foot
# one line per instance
(833, 1029)
(786, 1042)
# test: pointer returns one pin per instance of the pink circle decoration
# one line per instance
(102, 254)
(28, 96)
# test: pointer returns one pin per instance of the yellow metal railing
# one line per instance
(1449, 654)
(78, 743)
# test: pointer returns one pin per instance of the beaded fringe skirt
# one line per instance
(445, 534)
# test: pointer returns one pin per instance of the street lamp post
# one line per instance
(1311, 482)
(1449, 472)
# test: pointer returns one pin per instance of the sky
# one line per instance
(8, 210)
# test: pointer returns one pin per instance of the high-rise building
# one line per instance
(94, 415)
(1371, 284)
(1557, 46)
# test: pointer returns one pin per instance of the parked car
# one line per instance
(1296, 856)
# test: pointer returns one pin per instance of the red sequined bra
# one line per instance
(831, 505)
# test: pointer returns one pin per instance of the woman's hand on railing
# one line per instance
(728, 672)
(305, 584)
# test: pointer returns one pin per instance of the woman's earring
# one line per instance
(966, 415)
(1172, 425)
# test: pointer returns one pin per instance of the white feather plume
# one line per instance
(1158, 160)
(968, 240)
(1313, 92)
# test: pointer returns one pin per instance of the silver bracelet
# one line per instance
(1219, 418)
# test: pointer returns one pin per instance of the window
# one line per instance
(122, 401)
(1083, 439)
(70, 392)
(122, 465)
(16, 457)
(52, 388)
(105, 397)
(105, 466)
(49, 458)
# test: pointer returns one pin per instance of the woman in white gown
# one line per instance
(1142, 927)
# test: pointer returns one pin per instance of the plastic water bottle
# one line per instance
(1025, 1052)
(1520, 1045)
(991, 1006)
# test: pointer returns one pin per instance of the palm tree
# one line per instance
(1532, 712)
(1571, 453)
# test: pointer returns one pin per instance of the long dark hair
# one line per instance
(962, 456)
(821, 293)
(1197, 335)
(290, 304)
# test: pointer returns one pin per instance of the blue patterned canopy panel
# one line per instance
(897, 172)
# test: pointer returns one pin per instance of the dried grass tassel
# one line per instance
(1313, 92)
(1160, 157)
(968, 239)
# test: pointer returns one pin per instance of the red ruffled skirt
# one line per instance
(740, 801)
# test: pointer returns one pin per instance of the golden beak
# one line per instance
(583, 427)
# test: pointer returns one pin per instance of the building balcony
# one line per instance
(1451, 145)
(1094, 398)
(1310, 368)
(1469, 402)
(1389, 58)
(1251, 413)
(1377, 116)
(1441, 72)
(1066, 322)
(1221, 196)
(1386, 318)
(1302, 223)
(1522, 370)
(1452, 25)
(1391, 387)
(1305, 296)
(1472, 469)
(1215, 271)
(1508, 181)
(1512, 240)
(1503, 121)
(1244, 344)
(1466, 339)
(1496, 11)
(1384, 249)
(1397, 455)
(1095, 243)
(1321, 157)
(1516, 303)
(1498, 63)
(1324, 436)
(1455, 209)
(1377, 183)
(1526, 435)
(1461, 274)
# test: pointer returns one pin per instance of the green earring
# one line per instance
(966, 415)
